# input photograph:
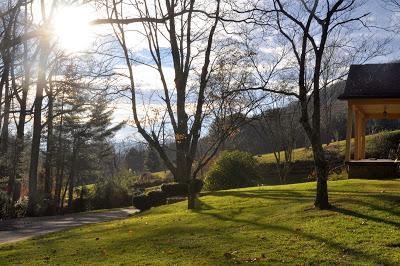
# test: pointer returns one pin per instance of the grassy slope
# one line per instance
(161, 174)
(338, 147)
(264, 225)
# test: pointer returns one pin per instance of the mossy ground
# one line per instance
(262, 225)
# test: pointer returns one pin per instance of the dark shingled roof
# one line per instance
(373, 81)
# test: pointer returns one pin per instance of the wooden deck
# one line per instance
(373, 169)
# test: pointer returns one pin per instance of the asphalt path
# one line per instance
(23, 228)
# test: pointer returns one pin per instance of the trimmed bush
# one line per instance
(232, 169)
(175, 189)
(157, 198)
(148, 184)
(141, 202)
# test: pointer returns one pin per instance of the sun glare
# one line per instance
(72, 27)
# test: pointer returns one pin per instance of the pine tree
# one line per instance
(152, 161)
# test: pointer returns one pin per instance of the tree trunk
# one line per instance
(58, 187)
(37, 125)
(6, 119)
(191, 200)
(72, 178)
(4, 164)
(48, 182)
(3, 80)
(71, 189)
(60, 159)
(64, 194)
(192, 195)
(19, 141)
(321, 168)
(320, 163)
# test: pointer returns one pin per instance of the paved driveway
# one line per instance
(23, 228)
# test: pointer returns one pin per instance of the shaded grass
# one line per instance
(262, 225)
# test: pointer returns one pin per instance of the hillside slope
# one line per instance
(263, 225)
(377, 146)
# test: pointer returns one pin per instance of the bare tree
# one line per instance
(278, 128)
(185, 33)
(308, 27)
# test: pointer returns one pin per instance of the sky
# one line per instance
(74, 37)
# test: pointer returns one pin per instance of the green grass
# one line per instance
(161, 174)
(263, 225)
(303, 154)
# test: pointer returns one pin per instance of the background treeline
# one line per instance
(265, 135)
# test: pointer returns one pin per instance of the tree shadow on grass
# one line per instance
(335, 245)
(393, 209)
(288, 195)
(160, 236)
(364, 216)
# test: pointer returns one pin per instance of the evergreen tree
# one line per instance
(152, 161)
(134, 159)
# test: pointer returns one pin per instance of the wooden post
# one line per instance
(357, 135)
(362, 129)
(349, 132)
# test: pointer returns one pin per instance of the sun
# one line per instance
(71, 26)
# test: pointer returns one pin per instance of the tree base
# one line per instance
(192, 202)
(323, 206)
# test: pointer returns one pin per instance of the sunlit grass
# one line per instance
(338, 147)
(263, 225)
(161, 174)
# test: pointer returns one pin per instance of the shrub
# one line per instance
(157, 198)
(141, 202)
(110, 194)
(4, 205)
(151, 199)
(384, 145)
(81, 205)
(20, 207)
(175, 189)
(145, 185)
(47, 207)
(126, 178)
(6, 211)
(232, 169)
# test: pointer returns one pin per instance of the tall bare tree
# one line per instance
(278, 128)
(182, 34)
(174, 22)
(308, 27)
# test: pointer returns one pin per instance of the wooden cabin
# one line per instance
(372, 92)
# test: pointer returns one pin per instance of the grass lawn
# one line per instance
(303, 154)
(262, 225)
(161, 174)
